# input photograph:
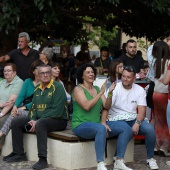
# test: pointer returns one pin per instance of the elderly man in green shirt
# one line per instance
(48, 113)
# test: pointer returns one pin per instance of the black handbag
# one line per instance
(27, 100)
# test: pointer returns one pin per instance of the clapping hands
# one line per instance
(112, 87)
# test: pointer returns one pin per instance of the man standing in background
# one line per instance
(23, 57)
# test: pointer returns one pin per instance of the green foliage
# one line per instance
(10, 16)
(143, 44)
(66, 18)
(101, 37)
(157, 5)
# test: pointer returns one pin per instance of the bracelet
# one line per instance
(109, 95)
(138, 122)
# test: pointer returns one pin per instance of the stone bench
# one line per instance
(67, 151)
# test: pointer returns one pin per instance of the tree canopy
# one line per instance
(64, 19)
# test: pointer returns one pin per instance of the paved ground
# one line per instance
(138, 164)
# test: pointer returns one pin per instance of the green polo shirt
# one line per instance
(13, 87)
(50, 103)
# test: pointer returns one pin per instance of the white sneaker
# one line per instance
(164, 152)
(101, 166)
(168, 163)
(119, 165)
(115, 158)
(152, 163)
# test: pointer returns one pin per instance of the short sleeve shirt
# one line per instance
(23, 62)
(13, 87)
(136, 61)
(125, 102)
(102, 63)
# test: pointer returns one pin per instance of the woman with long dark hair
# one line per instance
(55, 67)
(161, 53)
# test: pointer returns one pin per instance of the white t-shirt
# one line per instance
(125, 102)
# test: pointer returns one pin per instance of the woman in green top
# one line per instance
(87, 103)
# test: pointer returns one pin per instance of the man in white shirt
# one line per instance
(123, 120)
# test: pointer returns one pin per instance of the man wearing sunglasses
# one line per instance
(123, 120)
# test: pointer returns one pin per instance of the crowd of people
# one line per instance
(34, 99)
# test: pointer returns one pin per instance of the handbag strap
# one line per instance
(101, 63)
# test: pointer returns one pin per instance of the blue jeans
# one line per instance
(123, 129)
(168, 115)
(90, 130)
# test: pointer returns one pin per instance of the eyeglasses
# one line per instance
(45, 73)
(7, 71)
(130, 69)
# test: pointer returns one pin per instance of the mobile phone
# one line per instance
(28, 127)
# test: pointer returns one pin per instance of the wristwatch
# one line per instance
(138, 122)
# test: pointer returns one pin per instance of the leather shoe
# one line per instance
(17, 158)
(41, 164)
